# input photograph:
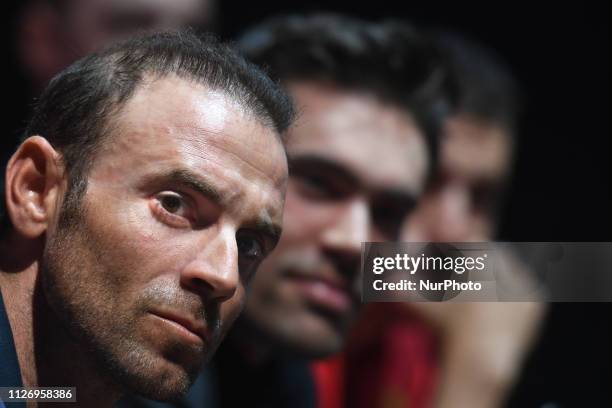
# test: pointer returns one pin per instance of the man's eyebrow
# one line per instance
(194, 182)
(320, 164)
(262, 225)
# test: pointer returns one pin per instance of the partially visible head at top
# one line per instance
(371, 99)
(54, 33)
(148, 189)
(476, 149)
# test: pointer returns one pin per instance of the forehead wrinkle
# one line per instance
(208, 121)
(222, 136)
(195, 145)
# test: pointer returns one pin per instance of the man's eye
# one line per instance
(171, 202)
(249, 247)
(173, 209)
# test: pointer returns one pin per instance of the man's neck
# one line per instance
(255, 351)
(255, 346)
(47, 355)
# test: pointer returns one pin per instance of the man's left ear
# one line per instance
(34, 180)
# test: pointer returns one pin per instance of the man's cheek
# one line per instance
(229, 312)
(124, 217)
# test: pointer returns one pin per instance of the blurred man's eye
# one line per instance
(316, 186)
(388, 220)
(321, 179)
(249, 247)
(250, 254)
(389, 211)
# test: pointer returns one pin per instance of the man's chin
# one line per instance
(153, 371)
(321, 347)
(169, 383)
(319, 338)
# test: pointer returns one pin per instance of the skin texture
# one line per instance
(141, 284)
(356, 167)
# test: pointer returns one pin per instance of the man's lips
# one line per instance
(191, 329)
(326, 293)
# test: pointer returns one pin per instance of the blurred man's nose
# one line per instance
(350, 228)
(213, 273)
(341, 241)
(451, 214)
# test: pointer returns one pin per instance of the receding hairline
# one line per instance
(150, 78)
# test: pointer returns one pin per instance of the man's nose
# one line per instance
(213, 273)
(350, 228)
(453, 209)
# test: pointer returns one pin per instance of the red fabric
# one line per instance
(390, 362)
(329, 382)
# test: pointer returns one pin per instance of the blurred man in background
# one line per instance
(370, 101)
(476, 150)
(454, 354)
(51, 34)
(54, 33)
(484, 344)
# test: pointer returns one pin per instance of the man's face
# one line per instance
(460, 206)
(184, 200)
(52, 38)
(356, 166)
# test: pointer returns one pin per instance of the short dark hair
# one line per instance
(73, 112)
(392, 60)
(484, 85)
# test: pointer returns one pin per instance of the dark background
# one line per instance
(559, 54)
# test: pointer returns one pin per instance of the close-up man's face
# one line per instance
(356, 168)
(183, 201)
(461, 204)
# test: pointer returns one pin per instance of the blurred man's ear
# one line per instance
(34, 180)
(41, 43)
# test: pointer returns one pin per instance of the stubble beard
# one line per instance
(72, 277)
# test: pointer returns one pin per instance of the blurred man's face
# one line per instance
(97, 23)
(53, 38)
(183, 201)
(460, 206)
(356, 168)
